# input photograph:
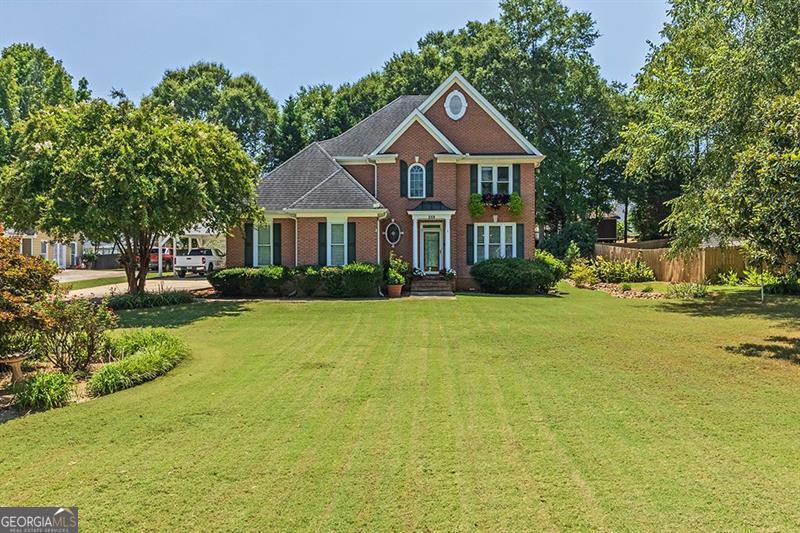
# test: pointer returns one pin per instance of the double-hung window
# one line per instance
(337, 243)
(263, 250)
(495, 240)
(416, 181)
(43, 249)
(495, 180)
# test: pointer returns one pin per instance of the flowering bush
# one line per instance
(448, 273)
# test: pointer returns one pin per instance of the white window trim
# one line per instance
(329, 242)
(503, 243)
(256, 258)
(424, 180)
(46, 249)
(454, 94)
(494, 178)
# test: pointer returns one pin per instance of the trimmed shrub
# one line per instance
(73, 333)
(153, 355)
(250, 282)
(45, 390)
(583, 234)
(308, 280)
(145, 300)
(514, 276)
(687, 291)
(352, 280)
(362, 279)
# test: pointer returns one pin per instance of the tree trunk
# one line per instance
(625, 236)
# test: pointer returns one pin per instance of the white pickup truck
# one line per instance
(200, 261)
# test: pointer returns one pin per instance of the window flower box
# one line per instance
(479, 202)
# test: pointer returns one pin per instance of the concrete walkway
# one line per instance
(189, 283)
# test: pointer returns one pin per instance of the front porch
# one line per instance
(431, 237)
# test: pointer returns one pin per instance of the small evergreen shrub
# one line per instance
(45, 390)
(687, 291)
(647, 289)
(626, 287)
(154, 354)
(146, 300)
(515, 276)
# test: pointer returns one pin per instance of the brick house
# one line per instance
(400, 179)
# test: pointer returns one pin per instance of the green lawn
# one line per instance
(100, 282)
(493, 413)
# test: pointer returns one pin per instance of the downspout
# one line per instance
(375, 173)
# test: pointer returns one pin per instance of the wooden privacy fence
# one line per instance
(700, 266)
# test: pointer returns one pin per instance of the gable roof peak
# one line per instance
(456, 77)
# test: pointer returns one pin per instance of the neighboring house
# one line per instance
(403, 175)
(64, 254)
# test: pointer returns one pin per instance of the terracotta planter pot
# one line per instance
(394, 290)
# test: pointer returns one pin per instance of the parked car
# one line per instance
(167, 256)
(200, 261)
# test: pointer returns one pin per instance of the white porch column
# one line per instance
(415, 246)
(447, 243)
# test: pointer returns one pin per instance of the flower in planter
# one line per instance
(418, 273)
(448, 273)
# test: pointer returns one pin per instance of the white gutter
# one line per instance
(374, 164)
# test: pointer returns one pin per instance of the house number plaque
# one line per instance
(393, 233)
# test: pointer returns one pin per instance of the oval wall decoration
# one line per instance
(393, 233)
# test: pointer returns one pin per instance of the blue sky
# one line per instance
(285, 44)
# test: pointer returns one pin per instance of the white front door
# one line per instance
(431, 246)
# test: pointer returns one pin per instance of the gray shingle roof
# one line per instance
(365, 136)
(338, 191)
(311, 179)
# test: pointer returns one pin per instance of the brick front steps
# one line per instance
(431, 286)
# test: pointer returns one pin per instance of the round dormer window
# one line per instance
(455, 105)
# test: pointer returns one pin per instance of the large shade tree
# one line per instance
(208, 91)
(125, 174)
(30, 80)
(534, 64)
(701, 98)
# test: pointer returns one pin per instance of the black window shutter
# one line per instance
(351, 242)
(473, 179)
(403, 179)
(276, 244)
(429, 178)
(322, 243)
(471, 244)
(521, 241)
(515, 185)
(248, 245)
